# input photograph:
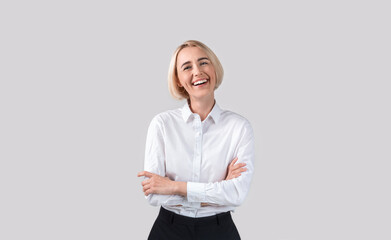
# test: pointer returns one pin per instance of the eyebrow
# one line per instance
(200, 59)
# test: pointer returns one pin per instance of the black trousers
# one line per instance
(171, 226)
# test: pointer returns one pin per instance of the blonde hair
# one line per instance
(180, 92)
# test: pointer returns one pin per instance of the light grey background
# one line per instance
(81, 80)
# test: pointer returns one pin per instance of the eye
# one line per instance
(203, 63)
(185, 68)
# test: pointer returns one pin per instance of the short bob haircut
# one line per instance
(180, 92)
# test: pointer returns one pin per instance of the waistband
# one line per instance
(171, 217)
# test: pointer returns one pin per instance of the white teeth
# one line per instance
(200, 82)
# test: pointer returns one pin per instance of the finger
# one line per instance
(149, 191)
(236, 175)
(238, 165)
(146, 187)
(240, 170)
(242, 164)
(145, 174)
(232, 176)
(234, 161)
(146, 182)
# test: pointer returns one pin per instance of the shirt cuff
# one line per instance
(196, 192)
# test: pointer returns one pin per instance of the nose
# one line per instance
(197, 71)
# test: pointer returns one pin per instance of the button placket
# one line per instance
(197, 148)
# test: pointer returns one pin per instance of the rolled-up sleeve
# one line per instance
(228, 192)
(155, 163)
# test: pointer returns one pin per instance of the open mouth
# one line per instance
(200, 82)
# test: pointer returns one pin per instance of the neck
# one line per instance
(202, 106)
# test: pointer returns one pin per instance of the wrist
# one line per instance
(180, 188)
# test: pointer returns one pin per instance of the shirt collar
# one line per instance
(214, 114)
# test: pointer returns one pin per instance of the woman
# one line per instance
(198, 158)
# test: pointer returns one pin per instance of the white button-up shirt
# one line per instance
(183, 148)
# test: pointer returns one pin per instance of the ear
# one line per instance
(179, 84)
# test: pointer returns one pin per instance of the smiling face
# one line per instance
(196, 73)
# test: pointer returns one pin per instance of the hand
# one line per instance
(161, 185)
(235, 170)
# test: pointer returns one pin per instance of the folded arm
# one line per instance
(228, 192)
(154, 167)
(161, 190)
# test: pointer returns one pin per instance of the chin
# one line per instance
(203, 95)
